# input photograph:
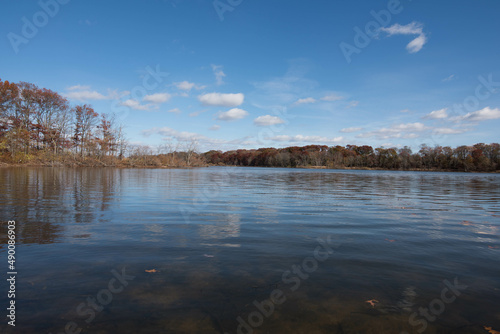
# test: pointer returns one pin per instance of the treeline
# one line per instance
(479, 157)
(38, 126)
(40, 123)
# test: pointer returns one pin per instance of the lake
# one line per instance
(251, 250)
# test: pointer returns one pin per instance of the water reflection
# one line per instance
(402, 234)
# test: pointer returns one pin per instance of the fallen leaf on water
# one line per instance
(466, 223)
(206, 255)
(413, 214)
(390, 240)
(493, 247)
(151, 271)
(491, 330)
(496, 215)
(372, 302)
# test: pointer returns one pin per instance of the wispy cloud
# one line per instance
(451, 77)
(222, 100)
(351, 130)
(305, 101)
(353, 104)
(79, 87)
(449, 131)
(332, 97)
(302, 139)
(85, 93)
(438, 114)
(175, 111)
(413, 28)
(408, 130)
(286, 89)
(219, 74)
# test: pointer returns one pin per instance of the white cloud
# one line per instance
(417, 44)
(157, 98)
(405, 110)
(480, 115)
(413, 28)
(175, 111)
(221, 100)
(214, 127)
(438, 114)
(136, 105)
(169, 132)
(409, 130)
(350, 130)
(232, 114)
(187, 86)
(305, 101)
(268, 120)
(219, 74)
(154, 101)
(332, 97)
(84, 95)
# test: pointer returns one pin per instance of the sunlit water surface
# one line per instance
(217, 241)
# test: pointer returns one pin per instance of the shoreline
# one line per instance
(125, 166)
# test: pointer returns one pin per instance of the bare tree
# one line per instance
(191, 147)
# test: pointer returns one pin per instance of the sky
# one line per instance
(230, 74)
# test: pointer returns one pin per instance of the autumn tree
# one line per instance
(85, 121)
(52, 118)
(9, 97)
(107, 135)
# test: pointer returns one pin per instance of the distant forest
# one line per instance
(480, 157)
(39, 127)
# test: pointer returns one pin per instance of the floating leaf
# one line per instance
(372, 302)
(491, 330)
(493, 247)
(466, 223)
(151, 271)
(390, 240)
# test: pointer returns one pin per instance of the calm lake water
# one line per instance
(242, 250)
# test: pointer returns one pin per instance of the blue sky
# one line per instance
(248, 74)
